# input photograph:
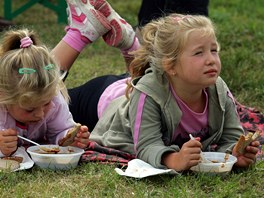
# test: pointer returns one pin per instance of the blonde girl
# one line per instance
(175, 91)
(33, 99)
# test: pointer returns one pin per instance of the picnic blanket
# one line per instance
(251, 120)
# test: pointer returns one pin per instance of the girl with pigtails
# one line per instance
(33, 98)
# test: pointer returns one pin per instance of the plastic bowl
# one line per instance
(63, 160)
(218, 164)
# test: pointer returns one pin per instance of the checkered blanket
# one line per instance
(252, 120)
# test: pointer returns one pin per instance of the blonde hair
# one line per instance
(22, 88)
(166, 37)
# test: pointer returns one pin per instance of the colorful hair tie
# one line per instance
(25, 42)
(177, 19)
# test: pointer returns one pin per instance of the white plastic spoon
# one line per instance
(28, 140)
(48, 150)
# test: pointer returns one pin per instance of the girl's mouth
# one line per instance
(211, 71)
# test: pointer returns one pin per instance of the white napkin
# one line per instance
(140, 169)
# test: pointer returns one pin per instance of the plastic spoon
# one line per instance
(48, 150)
(28, 140)
(204, 160)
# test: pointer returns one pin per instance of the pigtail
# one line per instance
(12, 39)
(143, 56)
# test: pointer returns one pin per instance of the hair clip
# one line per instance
(25, 42)
(26, 70)
(49, 67)
(30, 70)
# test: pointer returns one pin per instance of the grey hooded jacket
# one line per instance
(160, 117)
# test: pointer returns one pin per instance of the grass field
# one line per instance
(241, 34)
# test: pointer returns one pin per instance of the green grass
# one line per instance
(240, 32)
(97, 180)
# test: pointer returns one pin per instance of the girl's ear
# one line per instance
(169, 66)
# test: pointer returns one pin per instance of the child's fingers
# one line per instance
(255, 143)
(197, 138)
(82, 138)
(84, 135)
(252, 149)
(81, 142)
(193, 143)
(84, 128)
(251, 154)
(9, 132)
(248, 158)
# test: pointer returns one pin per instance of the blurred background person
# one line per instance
(152, 9)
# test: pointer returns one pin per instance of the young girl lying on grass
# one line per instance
(175, 91)
(33, 99)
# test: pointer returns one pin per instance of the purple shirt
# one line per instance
(191, 122)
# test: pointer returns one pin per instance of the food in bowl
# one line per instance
(44, 150)
(220, 163)
(67, 158)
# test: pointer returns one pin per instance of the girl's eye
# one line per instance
(30, 111)
(214, 51)
(197, 53)
(47, 104)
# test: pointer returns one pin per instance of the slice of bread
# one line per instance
(69, 138)
(9, 165)
(244, 141)
(16, 158)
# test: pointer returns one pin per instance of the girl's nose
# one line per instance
(210, 60)
(39, 113)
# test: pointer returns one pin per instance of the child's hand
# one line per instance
(249, 157)
(82, 138)
(188, 156)
(8, 141)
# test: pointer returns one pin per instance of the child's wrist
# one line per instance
(12, 153)
(133, 47)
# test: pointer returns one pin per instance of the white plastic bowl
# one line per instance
(218, 164)
(56, 161)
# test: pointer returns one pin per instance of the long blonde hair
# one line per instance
(27, 88)
(166, 37)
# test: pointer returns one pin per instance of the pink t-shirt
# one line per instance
(112, 92)
(191, 122)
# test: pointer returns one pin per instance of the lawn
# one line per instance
(240, 32)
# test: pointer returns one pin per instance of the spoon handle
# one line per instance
(28, 140)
